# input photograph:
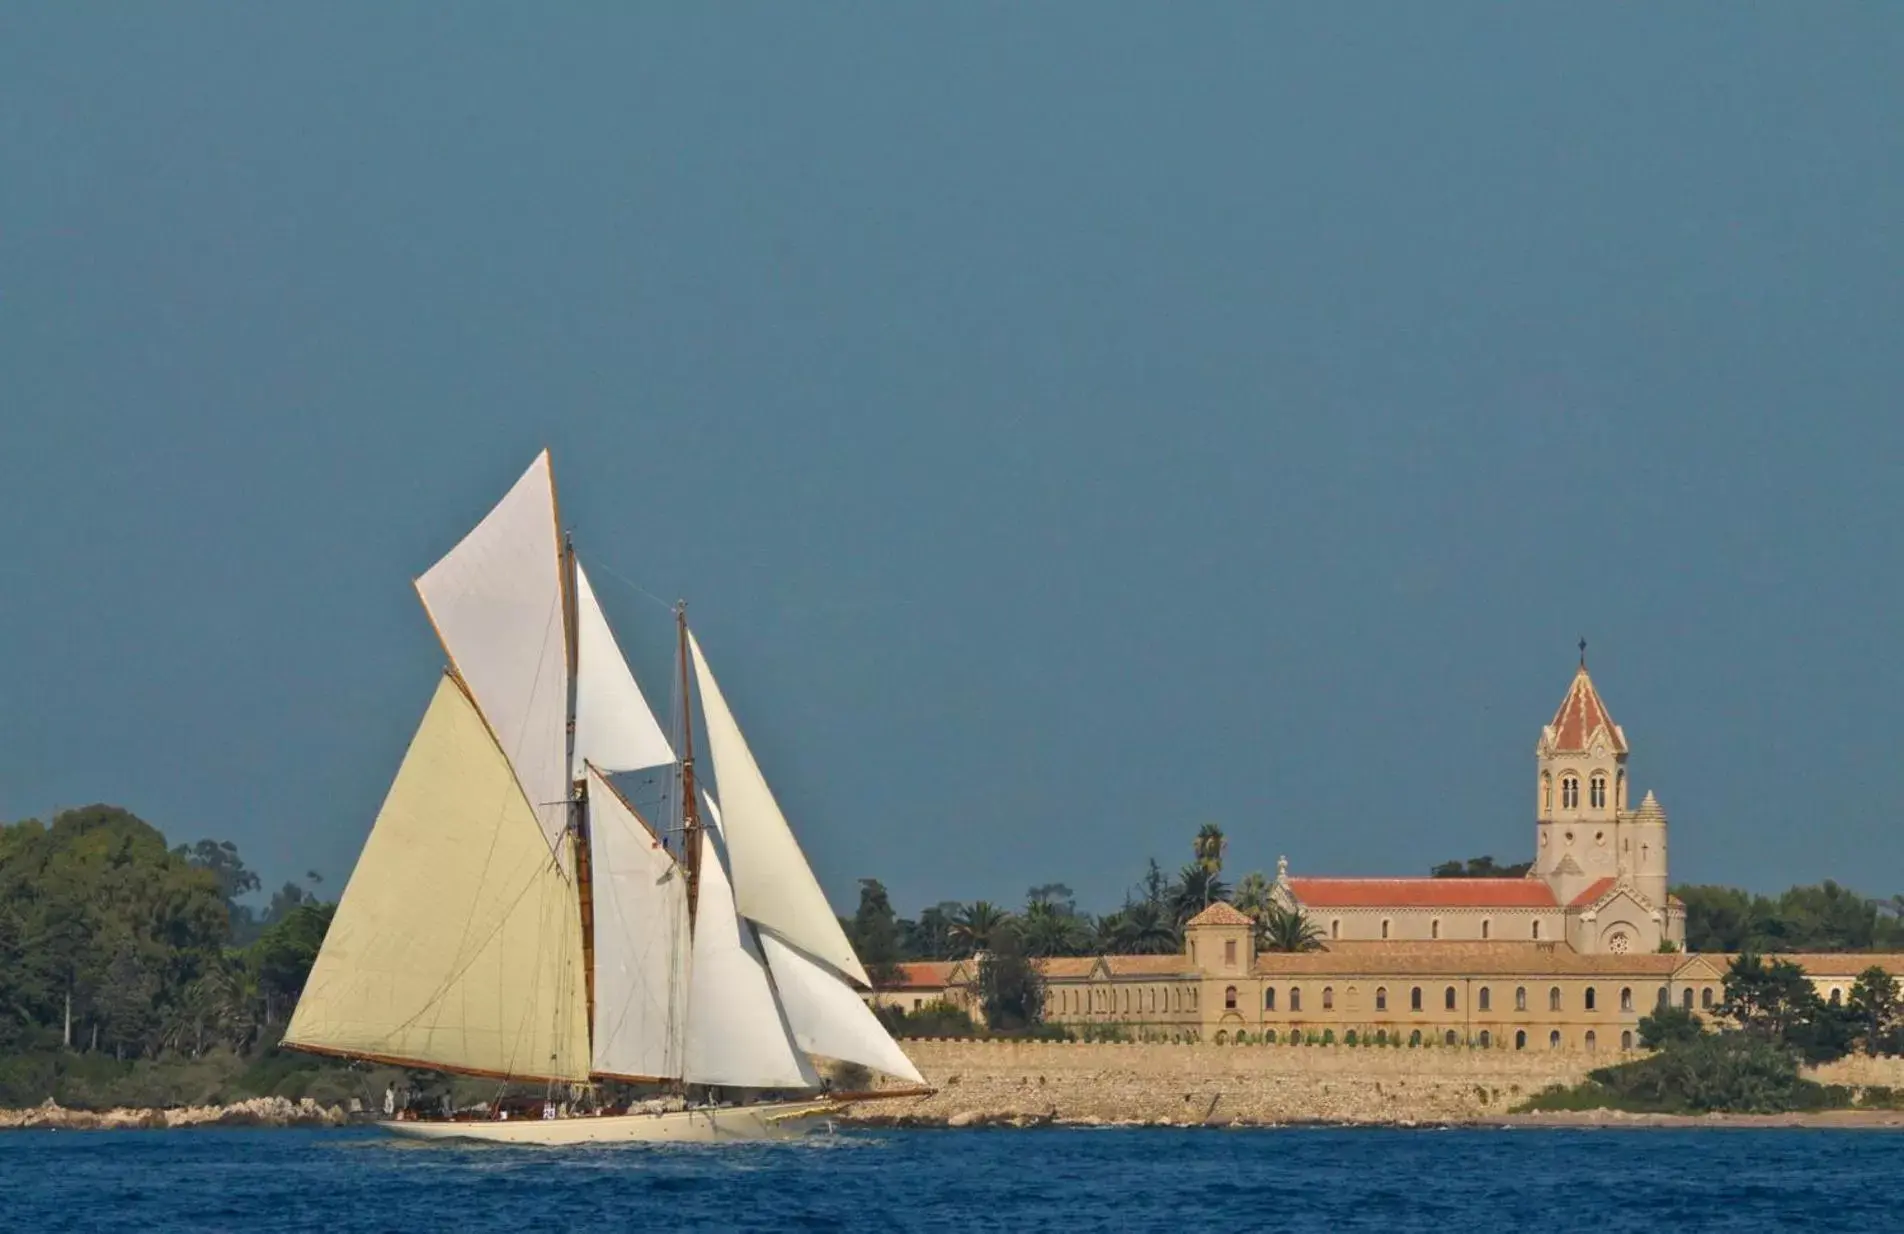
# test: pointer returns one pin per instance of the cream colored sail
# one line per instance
(457, 943)
(496, 601)
(736, 1035)
(827, 1017)
(641, 942)
(615, 729)
(773, 885)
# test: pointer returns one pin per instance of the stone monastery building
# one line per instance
(1568, 957)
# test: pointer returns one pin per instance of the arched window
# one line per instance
(1335, 928)
(1328, 1036)
(1126, 1002)
(1553, 999)
(1520, 1039)
(1414, 999)
(1705, 998)
(1484, 927)
(1447, 999)
(1449, 1038)
(1592, 1042)
(1348, 1038)
(1520, 998)
(1837, 996)
(1269, 1037)
(1295, 998)
(1269, 998)
(1685, 998)
(1414, 1038)
(1487, 1000)
(1381, 998)
(1328, 998)
(1569, 793)
(1546, 793)
(1384, 929)
(1537, 930)
(1486, 1040)
(1626, 1040)
(1589, 998)
(1553, 1040)
(1665, 998)
(1596, 791)
(1229, 998)
(1626, 998)
(1434, 928)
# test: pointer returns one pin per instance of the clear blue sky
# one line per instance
(1070, 423)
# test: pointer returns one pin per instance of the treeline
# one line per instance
(112, 942)
(1746, 1056)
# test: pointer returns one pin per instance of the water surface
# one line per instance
(1058, 1180)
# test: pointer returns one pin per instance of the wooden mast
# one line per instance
(578, 790)
(690, 806)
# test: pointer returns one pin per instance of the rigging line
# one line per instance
(623, 579)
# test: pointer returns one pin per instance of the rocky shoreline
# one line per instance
(256, 1112)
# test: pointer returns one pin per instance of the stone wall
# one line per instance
(1106, 1083)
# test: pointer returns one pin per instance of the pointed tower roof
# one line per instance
(1583, 717)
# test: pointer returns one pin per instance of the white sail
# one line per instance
(615, 729)
(773, 885)
(641, 942)
(736, 1035)
(827, 1017)
(496, 602)
(457, 943)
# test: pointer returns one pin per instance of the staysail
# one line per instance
(773, 885)
(496, 602)
(641, 942)
(615, 729)
(736, 1035)
(827, 1017)
(457, 943)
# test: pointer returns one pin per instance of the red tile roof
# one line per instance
(1582, 715)
(922, 975)
(1220, 914)
(1595, 889)
(1422, 893)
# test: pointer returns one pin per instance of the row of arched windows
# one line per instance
(1106, 1000)
(1570, 791)
(1484, 1039)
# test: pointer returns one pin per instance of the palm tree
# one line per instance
(1139, 928)
(1195, 890)
(1208, 847)
(973, 928)
(1047, 930)
(1252, 894)
(1287, 929)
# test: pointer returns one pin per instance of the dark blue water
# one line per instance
(1069, 1181)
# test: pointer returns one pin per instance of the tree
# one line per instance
(1195, 890)
(1047, 930)
(976, 927)
(1669, 1025)
(1480, 867)
(1287, 929)
(1253, 894)
(1875, 1011)
(1768, 1000)
(1208, 850)
(1139, 928)
(1156, 886)
(283, 955)
(1010, 989)
(930, 938)
(1053, 895)
(875, 932)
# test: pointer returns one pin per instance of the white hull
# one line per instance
(772, 1121)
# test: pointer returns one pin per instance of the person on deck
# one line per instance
(389, 1100)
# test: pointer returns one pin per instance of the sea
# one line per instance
(1068, 1180)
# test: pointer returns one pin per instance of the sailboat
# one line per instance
(513, 916)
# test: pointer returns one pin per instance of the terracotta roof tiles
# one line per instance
(1595, 889)
(1220, 914)
(1582, 715)
(1422, 893)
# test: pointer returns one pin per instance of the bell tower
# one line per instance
(1580, 793)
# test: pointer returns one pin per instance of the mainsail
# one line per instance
(614, 727)
(641, 942)
(736, 1035)
(457, 943)
(827, 1017)
(496, 601)
(773, 885)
